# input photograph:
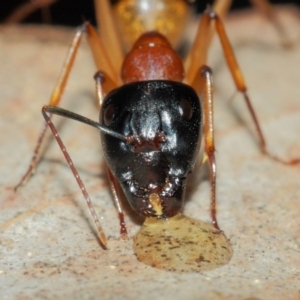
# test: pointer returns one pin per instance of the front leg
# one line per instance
(102, 61)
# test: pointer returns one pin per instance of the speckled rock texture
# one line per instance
(48, 244)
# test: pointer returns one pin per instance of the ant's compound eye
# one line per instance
(185, 109)
(109, 114)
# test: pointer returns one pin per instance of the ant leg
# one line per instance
(54, 100)
(47, 111)
(108, 32)
(197, 55)
(77, 176)
(221, 7)
(267, 10)
(27, 9)
(206, 94)
(114, 186)
(101, 59)
(240, 85)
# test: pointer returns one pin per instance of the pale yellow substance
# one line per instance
(181, 244)
(133, 18)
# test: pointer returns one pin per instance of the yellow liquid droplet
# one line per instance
(181, 244)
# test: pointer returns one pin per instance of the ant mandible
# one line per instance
(150, 115)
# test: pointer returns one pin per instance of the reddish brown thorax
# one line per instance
(152, 58)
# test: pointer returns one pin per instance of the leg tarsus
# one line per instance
(268, 11)
(123, 229)
(34, 160)
(30, 172)
(116, 197)
(262, 141)
(213, 185)
(291, 162)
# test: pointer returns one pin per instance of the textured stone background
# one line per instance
(48, 245)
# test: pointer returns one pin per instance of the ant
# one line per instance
(152, 116)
